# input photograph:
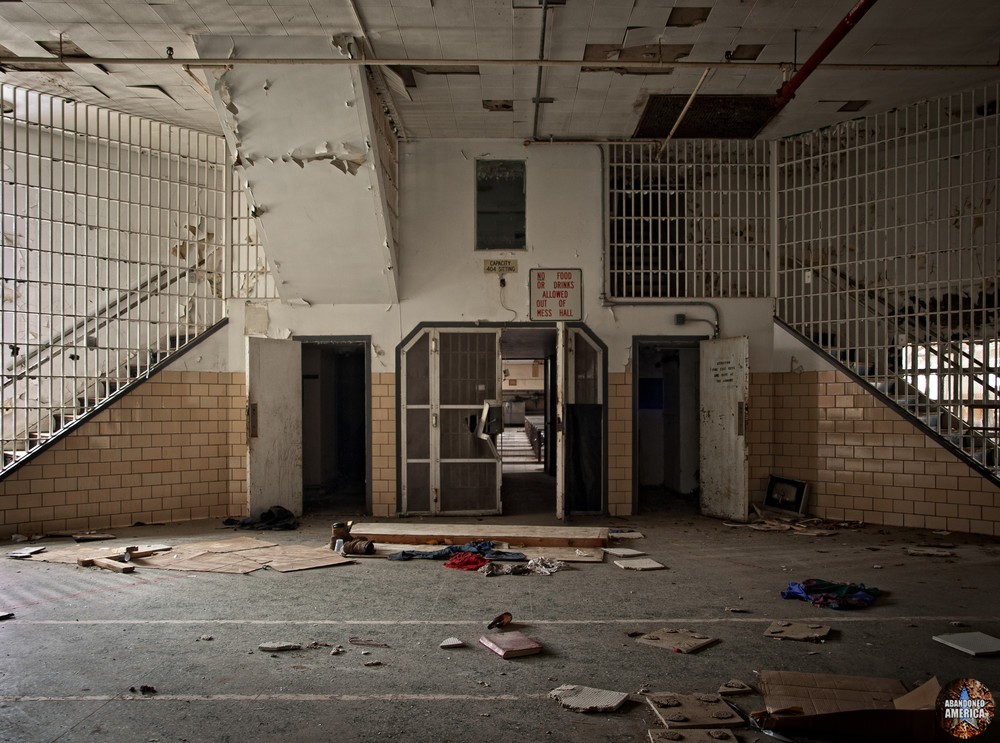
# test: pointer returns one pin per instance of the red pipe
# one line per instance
(787, 91)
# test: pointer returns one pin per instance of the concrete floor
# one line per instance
(82, 637)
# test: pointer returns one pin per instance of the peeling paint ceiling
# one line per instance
(953, 43)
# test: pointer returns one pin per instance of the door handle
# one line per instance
(434, 420)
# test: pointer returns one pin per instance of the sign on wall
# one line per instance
(556, 294)
(499, 265)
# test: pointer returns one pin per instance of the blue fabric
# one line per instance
(484, 549)
(832, 595)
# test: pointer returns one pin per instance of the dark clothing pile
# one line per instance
(483, 549)
(832, 595)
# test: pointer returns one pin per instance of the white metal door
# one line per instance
(447, 376)
(274, 425)
(560, 420)
(725, 384)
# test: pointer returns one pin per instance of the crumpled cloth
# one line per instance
(832, 595)
(466, 561)
(484, 549)
(537, 566)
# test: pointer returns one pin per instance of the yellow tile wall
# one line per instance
(174, 449)
(862, 459)
(620, 443)
(384, 444)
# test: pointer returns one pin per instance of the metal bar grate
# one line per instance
(113, 256)
(692, 225)
(889, 241)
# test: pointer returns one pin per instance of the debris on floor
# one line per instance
(466, 561)
(734, 687)
(492, 569)
(678, 640)
(546, 565)
(928, 552)
(625, 534)
(832, 595)
(640, 563)
(692, 710)
(450, 643)
(279, 647)
(89, 536)
(372, 663)
(736, 610)
(6, 615)
(587, 699)
(275, 517)
(105, 563)
(797, 631)
(205, 638)
(20, 554)
(693, 735)
(501, 620)
(972, 643)
(510, 644)
(485, 549)
(623, 552)
(367, 642)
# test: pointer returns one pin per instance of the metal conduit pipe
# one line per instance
(787, 91)
(541, 57)
(195, 63)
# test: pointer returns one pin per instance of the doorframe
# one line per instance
(365, 341)
(668, 341)
(445, 325)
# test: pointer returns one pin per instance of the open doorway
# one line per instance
(335, 425)
(666, 422)
(527, 444)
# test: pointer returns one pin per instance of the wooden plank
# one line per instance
(106, 564)
(515, 536)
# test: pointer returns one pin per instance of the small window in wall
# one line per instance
(500, 205)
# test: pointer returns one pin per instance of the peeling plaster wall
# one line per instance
(302, 139)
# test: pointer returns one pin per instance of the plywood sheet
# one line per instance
(514, 535)
(200, 562)
(695, 735)
(623, 551)
(973, 643)
(640, 563)
(678, 640)
(797, 631)
(292, 558)
(692, 710)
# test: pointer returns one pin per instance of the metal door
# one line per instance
(725, 384)
(584, 424)
(447, 376)
(274, 425)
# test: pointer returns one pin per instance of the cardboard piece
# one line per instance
(695, 735)
(678, 640)
(450, 643)
(679, 711)
(797, 631)
(923, 697)
(587, 699)
(510, 644)
(856, 707)
(973, 643)
(613, 534)
(20, 554)
(623, 552)
(733, 687)
(928, 552)
(640, 563)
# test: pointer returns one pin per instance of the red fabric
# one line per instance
(466, 561)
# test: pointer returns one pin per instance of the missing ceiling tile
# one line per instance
(657, 53)
(746, 52)
(499, 104)
(64, 48)
(850, 106)
(709, 117)
(53, 66)
(684, 17)
(150, 91)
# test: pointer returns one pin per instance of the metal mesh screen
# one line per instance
(693, 224)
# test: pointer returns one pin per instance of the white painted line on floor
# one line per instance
(834, 617)
(275, 698)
